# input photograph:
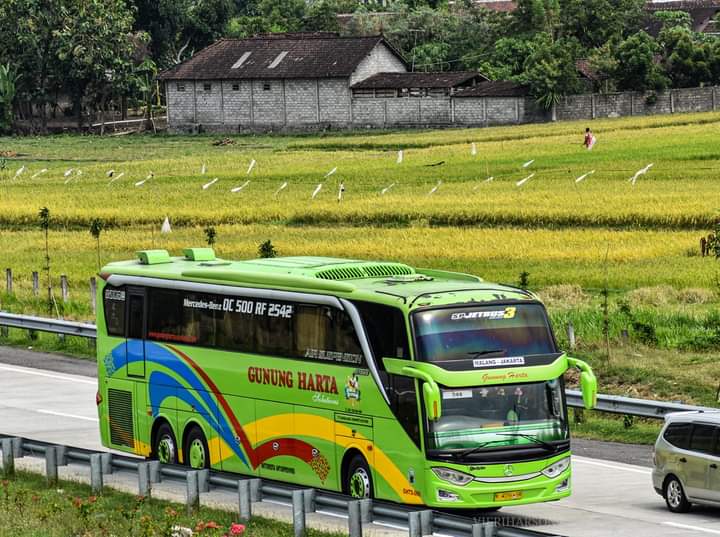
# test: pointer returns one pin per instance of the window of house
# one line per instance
(180, 87)
(236, 87)
(266, 86)
(207, 87)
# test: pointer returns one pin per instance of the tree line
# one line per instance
(98, 52)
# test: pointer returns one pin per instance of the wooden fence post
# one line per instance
(35, 283)
(93, 292)
(64, 287)
(9, 281)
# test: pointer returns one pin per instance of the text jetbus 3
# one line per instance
(372, 378)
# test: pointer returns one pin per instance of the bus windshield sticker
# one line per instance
(490, 362)
(115, 294)
(457, 394)
(506, 313)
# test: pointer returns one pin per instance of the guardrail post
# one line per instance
(426, 522)
(35, 283)
(309, 500)
(484, 529)
(8, 458)
(203, 480)
(64, 291)
(244, 503)
(192, 492)
(93, 293)
(256, 490)
(106, 459)
(96, 476)
(9, 281)
(298, 513)
(414, 525)
(354, 518)
(61, 455)
(571, 335)
(366, 510)
(17, 447)
(51, 469)
(143, 470)
(155, 476)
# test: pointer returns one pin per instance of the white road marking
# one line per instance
(64, 415)
(626, 468)
(39, 373)
(688, 527)
(388, 525)
(330, 513)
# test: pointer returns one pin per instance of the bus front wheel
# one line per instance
(358, 482)
(196, 450)
(165, 448)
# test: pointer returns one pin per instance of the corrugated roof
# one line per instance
(448, 79)
(495, 88)
(305, 56)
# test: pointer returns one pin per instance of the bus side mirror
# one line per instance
(588, 382)
(588, 385)
(431, 393)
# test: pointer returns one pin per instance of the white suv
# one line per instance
(686, 460)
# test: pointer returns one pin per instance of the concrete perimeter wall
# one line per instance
(304, 105)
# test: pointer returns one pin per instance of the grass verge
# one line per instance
(28, 508)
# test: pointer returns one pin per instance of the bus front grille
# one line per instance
(120, 410)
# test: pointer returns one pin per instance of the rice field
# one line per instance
(435, 207)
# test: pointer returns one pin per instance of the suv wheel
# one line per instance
(675, 497)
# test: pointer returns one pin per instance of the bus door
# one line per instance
(136, 323)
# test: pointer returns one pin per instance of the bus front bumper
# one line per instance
(499, 494)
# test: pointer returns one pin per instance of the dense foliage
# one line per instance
(94, 50)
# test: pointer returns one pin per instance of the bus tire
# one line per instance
(197, 455)
(164, 446)
(358, 480)
(674, 495)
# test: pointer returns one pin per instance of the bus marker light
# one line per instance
(98, 398)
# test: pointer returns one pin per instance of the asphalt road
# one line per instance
(52, 398)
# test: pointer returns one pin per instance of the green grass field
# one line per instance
(640, 241)
(28, 508)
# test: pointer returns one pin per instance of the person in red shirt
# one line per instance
(589, 141)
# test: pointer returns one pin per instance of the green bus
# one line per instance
(372, 378)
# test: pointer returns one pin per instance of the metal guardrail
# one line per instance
(44, 324)
(419, 521)
(645, 408)
(615, 404)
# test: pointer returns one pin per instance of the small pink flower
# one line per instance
(237, 529)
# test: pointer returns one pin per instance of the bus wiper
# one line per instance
(475, 449)
(532, 438)
(475, 354)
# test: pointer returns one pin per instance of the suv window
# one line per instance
(702, 439)
(678, 434)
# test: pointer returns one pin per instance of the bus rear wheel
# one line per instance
(165, 447)
(358, 482)
(197, 455)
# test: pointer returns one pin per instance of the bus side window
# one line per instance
(114, 308)
(135, 317)
(386, 330)
(403, 401)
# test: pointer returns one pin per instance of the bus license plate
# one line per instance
(505, 496)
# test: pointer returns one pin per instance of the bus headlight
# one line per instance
(452, 476)
(556, 468)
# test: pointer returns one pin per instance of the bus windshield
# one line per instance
(482, 332)
(491, 417)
